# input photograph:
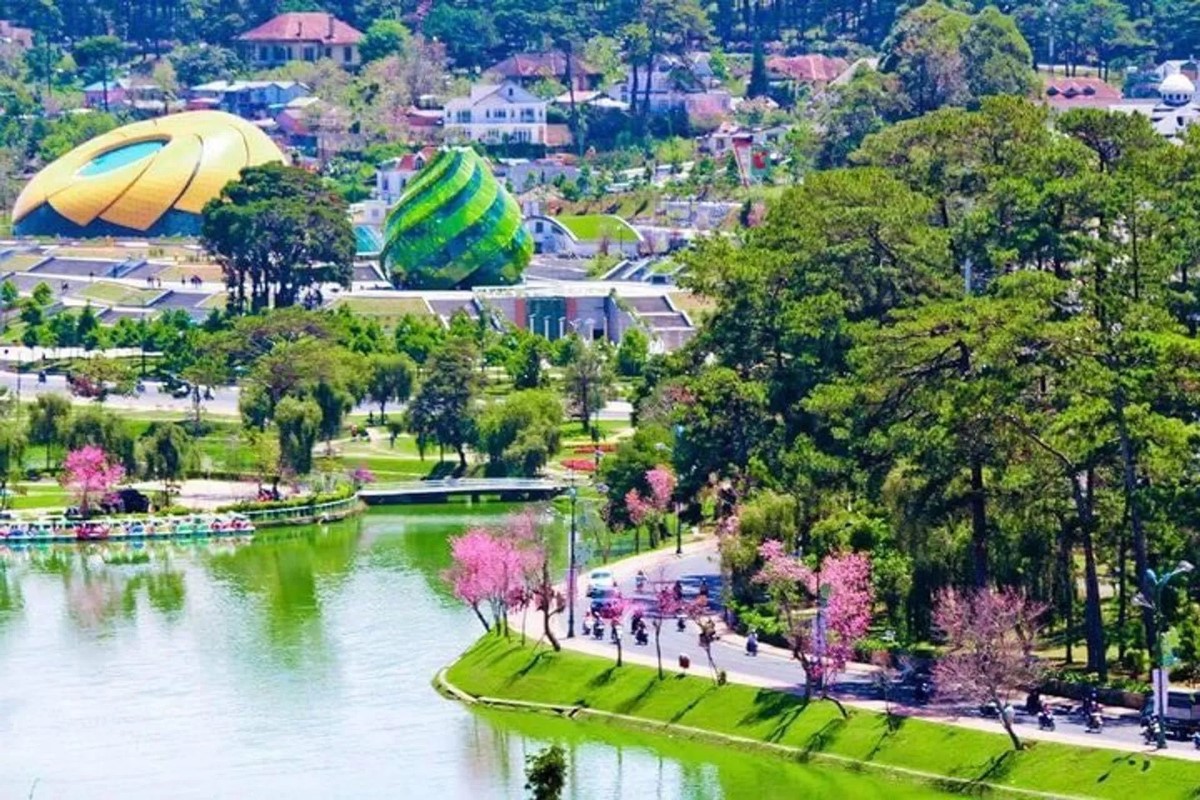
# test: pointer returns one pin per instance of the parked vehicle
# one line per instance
(1182, 717)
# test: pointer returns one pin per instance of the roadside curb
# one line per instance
(797, 754)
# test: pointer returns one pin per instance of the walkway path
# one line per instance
(774, 667)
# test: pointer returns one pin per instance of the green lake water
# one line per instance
(299, 666)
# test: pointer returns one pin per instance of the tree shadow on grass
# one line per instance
(525, 670)
(1129, 759)
(823, 737)
(770, 705)
(683, 712)
(629, 705)
(997, 768)
(891, 726)
(603, 678)
(502, 654)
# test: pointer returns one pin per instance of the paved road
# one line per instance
(224, 402)
(774, 668)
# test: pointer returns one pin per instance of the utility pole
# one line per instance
(572, 493)
(1160, 683)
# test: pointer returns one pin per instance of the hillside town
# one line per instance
(704, 399)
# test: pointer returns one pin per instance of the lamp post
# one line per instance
(678, 527)
(142, 325)
(572, 493)
(1160, 694)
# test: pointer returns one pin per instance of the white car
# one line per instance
(599, 580)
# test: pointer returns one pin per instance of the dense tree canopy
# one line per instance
(971, 351)
(276, 231)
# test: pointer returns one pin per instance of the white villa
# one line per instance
(495, 114)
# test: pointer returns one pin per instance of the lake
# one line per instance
(299, 665)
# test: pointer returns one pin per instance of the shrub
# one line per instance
(1135, 662)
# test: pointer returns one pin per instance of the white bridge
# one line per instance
(475, 488)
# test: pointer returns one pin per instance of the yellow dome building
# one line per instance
(149, 178)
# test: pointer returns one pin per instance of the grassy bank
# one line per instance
(504, 669)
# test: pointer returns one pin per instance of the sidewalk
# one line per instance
(756, 671)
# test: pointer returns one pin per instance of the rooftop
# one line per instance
(243, 86)
(1071, 92)
(304, 26)
(541, 65)
(808, 68)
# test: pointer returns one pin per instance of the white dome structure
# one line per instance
(1177, 89)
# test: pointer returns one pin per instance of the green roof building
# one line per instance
(455, 227)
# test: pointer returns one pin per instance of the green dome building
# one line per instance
(455, 227)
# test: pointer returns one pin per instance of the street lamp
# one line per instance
(572, 493)
(1155, 606)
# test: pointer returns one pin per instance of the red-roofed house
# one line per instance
(1065, 93)
(393, 175)
(527, 69)
(301, 36)
(809, 70)
(12, 34)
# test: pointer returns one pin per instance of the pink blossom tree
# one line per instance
(89, 473)
(990, 638)
(496, 567)
(528, 560)
(826, 613)
(662, 487)
(700, 612)
(517, 569)
(653, 507)
(471, 575)
(637, 508)
(361, 476)
(612, 611)
(668, 607)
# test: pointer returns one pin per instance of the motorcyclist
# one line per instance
(1094, 721)
(640, 580)
(1046, 717)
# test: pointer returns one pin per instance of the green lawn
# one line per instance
(593, 227)
(21, 262)
(495, 667)
(39, 495)
(118, 294)
(386, 311)
(691, 303)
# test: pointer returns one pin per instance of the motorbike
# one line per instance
(641, 637)
(1045, 721)
(598, 632)
(681, 624)
(923, 692)
(1094, 722)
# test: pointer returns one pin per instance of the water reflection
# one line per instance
(297, 665)
(280, 582)
(11, 599)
